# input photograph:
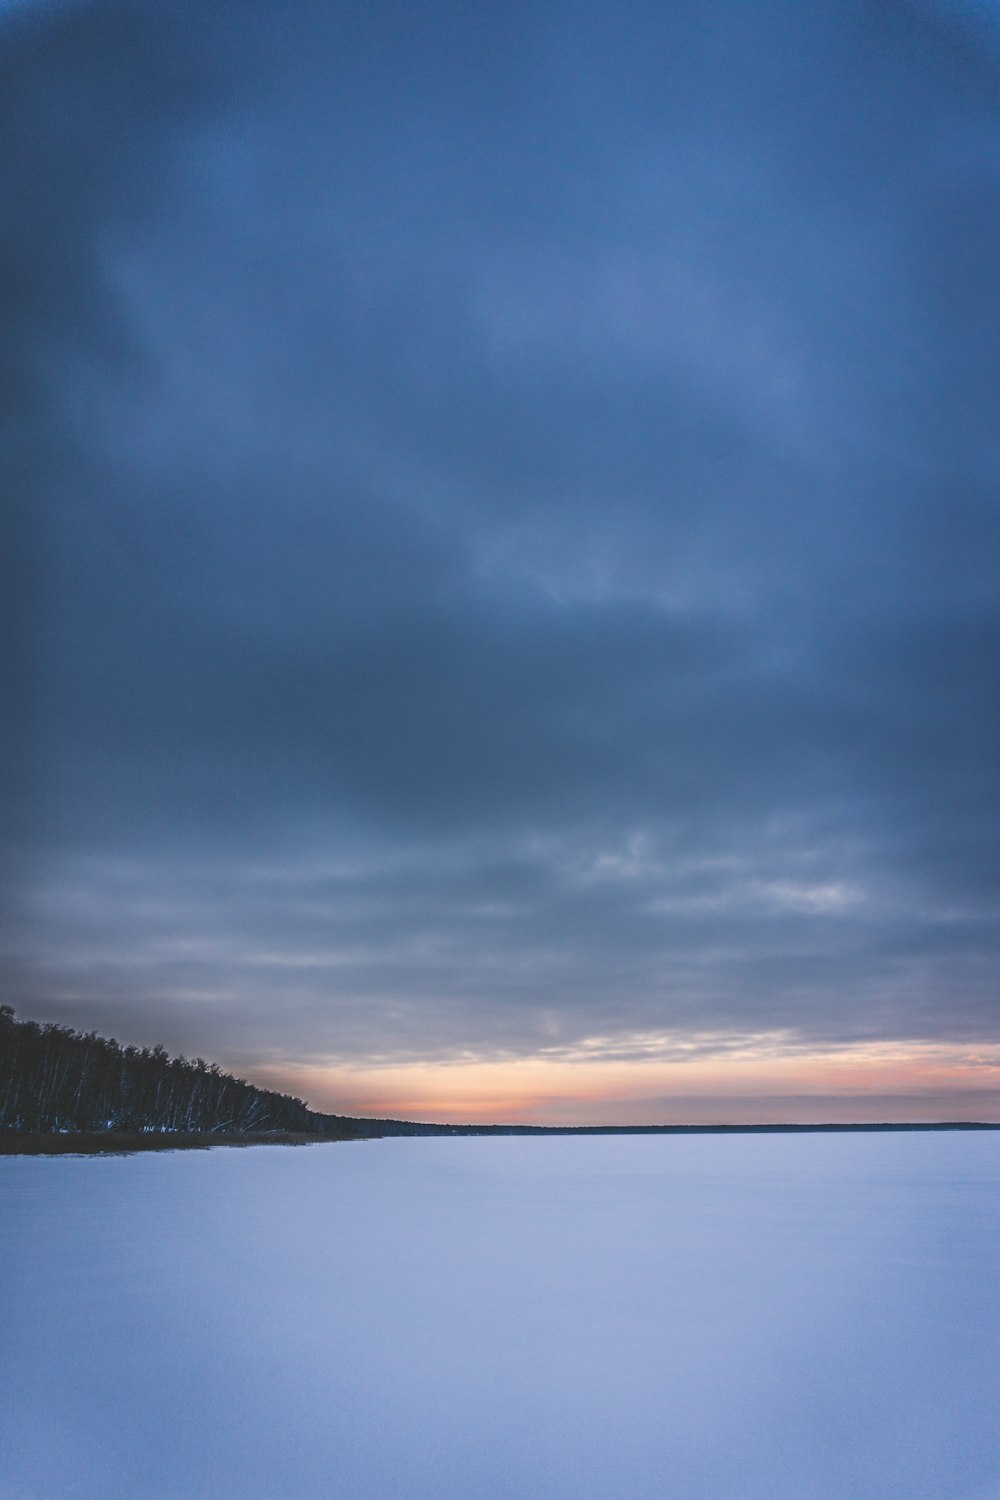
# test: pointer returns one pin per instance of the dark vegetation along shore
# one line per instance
(69, 1090)
(64, 1091)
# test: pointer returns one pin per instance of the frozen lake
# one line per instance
(706, 1318)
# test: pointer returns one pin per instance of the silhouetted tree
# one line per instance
(54, 1078)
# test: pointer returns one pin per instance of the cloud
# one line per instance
(543, 474)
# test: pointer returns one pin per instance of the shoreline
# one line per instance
(129, 1143)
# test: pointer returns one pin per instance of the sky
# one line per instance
(501, 546)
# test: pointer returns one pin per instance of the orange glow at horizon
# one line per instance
(756, 1082)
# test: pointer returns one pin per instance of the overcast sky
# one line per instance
(503, 534)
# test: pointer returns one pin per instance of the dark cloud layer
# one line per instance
(502, 526)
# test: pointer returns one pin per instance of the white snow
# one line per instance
(706, 1318)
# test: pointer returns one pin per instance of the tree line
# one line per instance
(54, 1079)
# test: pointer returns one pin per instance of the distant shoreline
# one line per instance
(127, 1143)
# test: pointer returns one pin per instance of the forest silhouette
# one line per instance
(53, 1078)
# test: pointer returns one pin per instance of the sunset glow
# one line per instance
(756, 1082)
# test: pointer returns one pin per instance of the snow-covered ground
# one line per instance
(699, 1318)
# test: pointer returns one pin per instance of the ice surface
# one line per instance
(695, 1317)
